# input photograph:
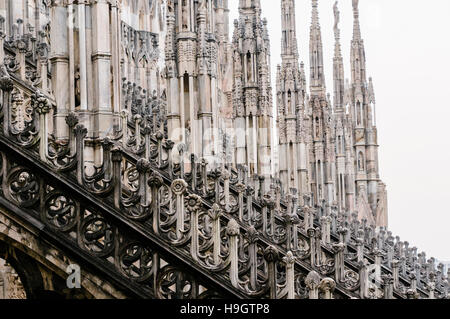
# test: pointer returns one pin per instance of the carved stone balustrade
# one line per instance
(139, 203)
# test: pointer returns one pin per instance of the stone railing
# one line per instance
(144, 207)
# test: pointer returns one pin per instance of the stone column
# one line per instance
(70, 19)
(388, 282)
(3, 33)
(248, 143)
(205, 115)
(25, 15)
(59, 58)
(82, 53)
(173, 111)
(115, 42)
(155, 182)
(215, 213)
(271, 256)
(211, 124)
(289, 260)
(194, 205)
(16, 9)
(283, 165)
(5, 19)
(295, 170)
(264, 140)
(233, 235)
(182, 109)
(3, 6)
(101, 64)
(42, 106)
(254, 146)
(240, 134)
(195, 138)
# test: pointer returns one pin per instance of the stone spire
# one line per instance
(317, 77)
(320, 144)
(356, 26)
(290, 104)
(358, 62)
(338, 65)
(360, 95)
(289, 48)
(343, 127)
(371, 192)
(252, 86)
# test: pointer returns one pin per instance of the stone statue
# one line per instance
(336, 16)
(185, 16)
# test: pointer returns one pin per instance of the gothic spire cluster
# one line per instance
(317, 77)
(329, 151)
(140, 140)
(217, 93)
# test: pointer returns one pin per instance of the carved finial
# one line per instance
(40, 103)
(252, 235)
(116, 154)
(327, 285)
(142, 165)
(71, 119)
(312, 281)
(80, 131)
(193, 203)
(271, 254)
(233, 228)
(179, 186)
(215, 212)
(315, 12)
(155, 181)
(356, 26)
(337, 32)
(289, 260)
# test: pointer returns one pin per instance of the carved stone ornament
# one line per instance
(193, 203)
(233, 228)
(179, 186)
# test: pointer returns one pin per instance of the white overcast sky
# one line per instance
(408, 56)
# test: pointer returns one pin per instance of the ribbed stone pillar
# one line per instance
(59, 58)
(101, 67)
